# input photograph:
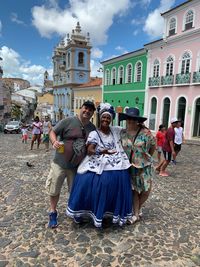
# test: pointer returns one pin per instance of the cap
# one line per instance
(174, 119)
(89, 103)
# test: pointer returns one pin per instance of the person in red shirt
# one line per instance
(168, 148)
(160, 138)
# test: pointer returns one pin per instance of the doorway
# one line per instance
(196, 132)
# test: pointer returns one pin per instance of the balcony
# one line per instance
(183, 78)
(167, 80)
(154, 81)
(196, 77)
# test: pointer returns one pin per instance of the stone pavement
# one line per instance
(167, 236)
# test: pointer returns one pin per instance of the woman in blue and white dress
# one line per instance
(102, 185)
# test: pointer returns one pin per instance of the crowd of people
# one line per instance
(109, 169)
(38, 131)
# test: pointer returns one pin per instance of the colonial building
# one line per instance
(88, 91)
(71, 67)
(125, 81)
(174, 70)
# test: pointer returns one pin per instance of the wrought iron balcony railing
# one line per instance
(167, 80)
(196, 77)
(154, 81)
(183, 78)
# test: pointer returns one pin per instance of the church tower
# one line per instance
(71, 59)
(71, 67)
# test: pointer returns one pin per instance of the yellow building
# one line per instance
(44, 105)
(88, 91)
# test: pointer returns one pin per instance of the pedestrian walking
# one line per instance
(24, 131)
(160, 138)
(36, 132)
(139, 145)
(68, 137)
(168, 149)
(102, 185)
(179, 138)
(46, 127)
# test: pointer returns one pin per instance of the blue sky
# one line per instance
(29, 29)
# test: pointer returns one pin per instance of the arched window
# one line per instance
(121, 75)
(185, 63)
(166, 109)
(189, 20)
(181, 108)
(172, 26)
(107, 77)
(113, 76)
(138, 72)
(152, 118)
(196, 129)
(68, 59)
(81, 59)
(129, 73)
(169, 66)
(156, 68)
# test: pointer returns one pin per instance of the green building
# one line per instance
(124, 81)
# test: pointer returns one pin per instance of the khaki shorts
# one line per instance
(56, 178)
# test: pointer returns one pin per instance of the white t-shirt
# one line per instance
(178, 135)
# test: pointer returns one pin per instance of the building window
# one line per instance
(198, 62)
(68, 60)
(107, 77)
(189, 19)
(152, 119)
(169, 66)
(129, 73)
(156, 68)
(113, 76)
(185, 63)
(138, 72)
(166, 110)
(121, 75)
(172, 26)
(81, 59)
(181, 108)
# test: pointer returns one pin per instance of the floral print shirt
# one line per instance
(138, 153)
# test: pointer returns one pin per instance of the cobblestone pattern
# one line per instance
(168, 235)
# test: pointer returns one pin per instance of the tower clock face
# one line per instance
(81, 75)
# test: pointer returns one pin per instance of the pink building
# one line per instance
(174, 71)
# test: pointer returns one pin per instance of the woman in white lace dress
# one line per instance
(102, 184)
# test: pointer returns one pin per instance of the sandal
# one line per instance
(164, 174)
(132, 220)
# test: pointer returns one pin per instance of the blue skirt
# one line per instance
(97, 195)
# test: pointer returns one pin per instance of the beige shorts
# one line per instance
(56, 178)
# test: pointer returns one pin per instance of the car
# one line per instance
(12, 127)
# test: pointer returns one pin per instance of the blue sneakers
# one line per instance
(53, 216)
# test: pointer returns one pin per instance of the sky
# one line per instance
(30, 29)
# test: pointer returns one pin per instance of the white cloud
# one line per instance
(96, 69)
(145, 2)
(154, 23)
(121, 49)
(14, 18)
(16, 67)
(96, 53)
(95, 16)
(135, 32)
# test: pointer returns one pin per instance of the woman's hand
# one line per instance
(108, 151)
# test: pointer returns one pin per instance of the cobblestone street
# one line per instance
(168, 235)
